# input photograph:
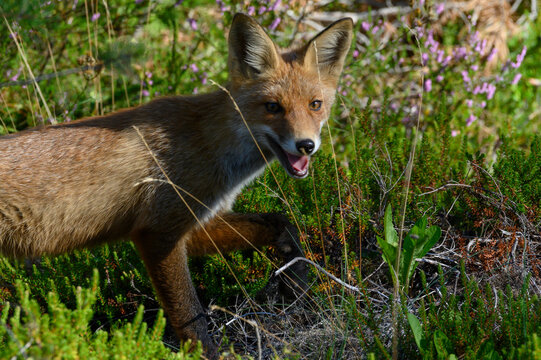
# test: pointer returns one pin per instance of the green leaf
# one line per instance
(391, 235)
(389, 245)
(418, 334)
(417, 244)
(389, 252)
(407, 261)
(430, 238)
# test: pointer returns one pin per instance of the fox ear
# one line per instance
(327, 51)
(251, 51)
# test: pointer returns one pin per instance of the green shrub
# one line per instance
(479, 323)
(60, 332)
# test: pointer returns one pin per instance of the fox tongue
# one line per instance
(299, 163)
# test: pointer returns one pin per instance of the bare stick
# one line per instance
(290, 263)
(445, 187)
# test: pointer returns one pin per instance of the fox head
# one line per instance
(286, 96)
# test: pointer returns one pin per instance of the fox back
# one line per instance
(166, 173)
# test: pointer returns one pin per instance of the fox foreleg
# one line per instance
(233, 231)
(165, 257)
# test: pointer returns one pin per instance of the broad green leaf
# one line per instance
(417, 329)
(406, 262)
(389, 252)
(430, 238)
(391, 235)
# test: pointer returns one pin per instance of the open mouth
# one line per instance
(295, 165)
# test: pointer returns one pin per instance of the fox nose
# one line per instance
(305, 146)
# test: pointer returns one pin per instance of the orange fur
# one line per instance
(92, 181)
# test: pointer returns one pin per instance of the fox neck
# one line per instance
(228, 144)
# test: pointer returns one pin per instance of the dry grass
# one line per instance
(494, 21)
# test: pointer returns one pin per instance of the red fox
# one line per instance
(105, 178)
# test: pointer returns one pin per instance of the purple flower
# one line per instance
(221, 5)
(194, 68)
(483, 104)
(431, 43)
(447, 60)
(480, 47)
(484, 88)
(475, 67)
(355, 53)
(420, 32)
(461, 53)
(375, 29)
(465, 76)
(491, 91)
(470, 120)
(251, 10)
(428, 85)
(474, 38)
(439, 56)
(469, 102)
(275, 23)
(262, 9)
(95, 17)
(193, 24)
(492, 54)
(16, 76)
(145, 93)
(275, 5)
(195, 90)
(516, 79)
(138, 1)
(439, 78)
(454, 133)
(365, 26)
(439, 8)
(520, 58)
(424, 58)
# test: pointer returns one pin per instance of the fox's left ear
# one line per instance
(327, 51)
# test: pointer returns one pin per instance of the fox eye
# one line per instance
(273, 107)
(315, 105)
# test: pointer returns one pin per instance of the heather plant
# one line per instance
(475, 173)
(28, 332)
(478, 323)
(123, 283)
(520, 174)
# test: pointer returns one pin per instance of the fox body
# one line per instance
(161, 172)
